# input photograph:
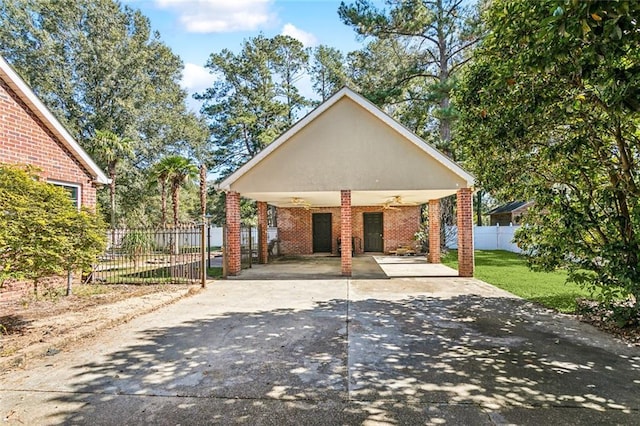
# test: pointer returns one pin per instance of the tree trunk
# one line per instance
(163, 203)
(69, 281)
(112, 200)
(479, 207)
(175, 189)
(443, 74)
(203, 190)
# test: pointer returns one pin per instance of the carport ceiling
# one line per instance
(358, 198)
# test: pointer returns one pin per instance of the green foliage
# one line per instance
(213, 272)
(42, 233)
(255, 98)
(510, 272)
(550, 113)
(328, 71)
(175, 171)
(419, 47)
(111, 149)
(99, 66)
(136, 243)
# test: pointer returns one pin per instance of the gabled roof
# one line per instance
(18, 85)
(369, 107)
(510, 207)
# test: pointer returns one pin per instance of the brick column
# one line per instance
(434, 231)
(465, 232)
(263, 244)
(232, 250)
(345, 231)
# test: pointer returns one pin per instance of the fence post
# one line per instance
(203, 254)
(250, 247)
(224, 251)
(208, 245)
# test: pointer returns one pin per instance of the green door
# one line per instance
(321, 232)
(373, 232)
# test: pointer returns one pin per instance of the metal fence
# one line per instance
(248, 246)
(153, 255)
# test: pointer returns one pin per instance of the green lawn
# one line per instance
(509, 271)
(214, 272)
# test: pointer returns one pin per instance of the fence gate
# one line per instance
(172, 255)
(248, 246)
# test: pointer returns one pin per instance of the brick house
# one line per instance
(30, 134)
(510, 213)
(348, 171)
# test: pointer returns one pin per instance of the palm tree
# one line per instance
(178, 170)
(110, 148)
(160, 173)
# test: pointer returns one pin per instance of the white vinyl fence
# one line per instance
(216, 235)
(487, 238)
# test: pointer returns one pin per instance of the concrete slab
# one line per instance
(317, 267)
(397, 351)
(413, 266)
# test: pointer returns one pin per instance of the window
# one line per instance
(72, 189)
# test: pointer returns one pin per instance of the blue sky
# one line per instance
(196, 28)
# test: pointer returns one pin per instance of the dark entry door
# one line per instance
(321, 232)
(373, 232)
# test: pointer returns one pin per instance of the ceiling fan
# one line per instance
(301, 202)
(394, 202)
(388, 206)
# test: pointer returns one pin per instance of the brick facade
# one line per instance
(295, 227)
(25, 139)
(465, 232)
(232, 251)
(434, 231)
(14, 291)
(345, 232)
(263, 244)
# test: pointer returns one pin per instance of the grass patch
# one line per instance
(214, 272)
(509, 271)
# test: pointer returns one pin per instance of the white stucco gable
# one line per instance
(348, 143)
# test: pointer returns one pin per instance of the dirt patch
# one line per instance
(618, 320)
(31, 328)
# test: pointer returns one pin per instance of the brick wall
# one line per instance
(25, 139)
(296, 234)
(464, 215)
(233, 249)
(346, 232)
(13, 291)
(434, 231)
(263, 244)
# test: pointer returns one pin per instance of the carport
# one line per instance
(350, 156)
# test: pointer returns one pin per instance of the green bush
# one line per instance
(136, 243)
(42, 233)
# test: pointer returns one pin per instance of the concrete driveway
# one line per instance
(393, 351)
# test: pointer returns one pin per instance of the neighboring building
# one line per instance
(30, 134)
(509, 214)
(348, 171)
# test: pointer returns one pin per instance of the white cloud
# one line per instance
(196, 78)
(220, 16)
(307, 39)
